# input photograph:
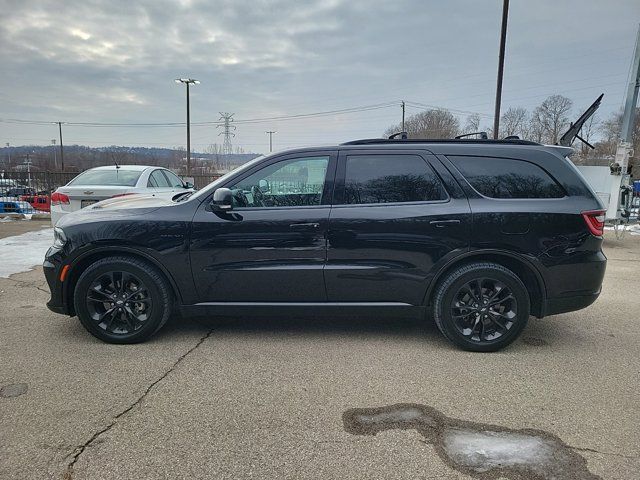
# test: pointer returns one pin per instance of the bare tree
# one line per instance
(515, 121)
(473, 123)
(550, 119)
(434, 123)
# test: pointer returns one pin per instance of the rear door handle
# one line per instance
(444, 223)
(304, 226)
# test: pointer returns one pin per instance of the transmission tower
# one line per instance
(227, 131)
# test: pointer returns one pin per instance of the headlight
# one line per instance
(59, 238)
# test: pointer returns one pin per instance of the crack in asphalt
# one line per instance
(613, 454)
(68, 474)
(23, 284)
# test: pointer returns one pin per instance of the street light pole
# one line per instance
(271, 132)
(187, 82)
(53, 147)
(61, 147)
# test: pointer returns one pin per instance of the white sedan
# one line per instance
(100, 183)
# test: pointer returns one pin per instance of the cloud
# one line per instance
(115, 61)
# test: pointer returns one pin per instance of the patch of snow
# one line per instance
(484, 450)
(21, 253)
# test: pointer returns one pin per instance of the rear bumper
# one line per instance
(554, 306)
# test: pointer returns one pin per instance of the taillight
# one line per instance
(59, 199)
(122, 194)
(595, 221)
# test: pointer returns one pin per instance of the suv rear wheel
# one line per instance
(481, 307)
(122, 300)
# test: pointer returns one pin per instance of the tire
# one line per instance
(464, 319)
(122, 299)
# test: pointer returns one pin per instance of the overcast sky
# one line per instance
(114, 61)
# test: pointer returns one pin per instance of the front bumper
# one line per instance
(57, 303)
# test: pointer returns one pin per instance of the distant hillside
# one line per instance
(79, 157)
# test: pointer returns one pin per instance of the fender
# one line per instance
(473, 254)
(112, 249)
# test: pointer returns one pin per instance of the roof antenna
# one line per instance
(403, 136)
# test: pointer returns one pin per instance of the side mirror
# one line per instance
(222, 200)
(187, 185)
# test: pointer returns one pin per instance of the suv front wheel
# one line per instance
(122, 300)
(481, 307)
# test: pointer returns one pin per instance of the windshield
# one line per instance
(213, 185)
(118, 176)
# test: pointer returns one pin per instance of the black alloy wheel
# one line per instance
(119, 302)
(122, 299)
(481, 307)
(484, 309)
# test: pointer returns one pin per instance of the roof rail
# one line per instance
(383, 141)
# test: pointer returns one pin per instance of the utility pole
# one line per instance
(61, 147)
(503, 42)
(271, 132)
(187, 82)
(9, 154)
(403, 117)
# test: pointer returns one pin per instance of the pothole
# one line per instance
(480, 450)
(13, 390)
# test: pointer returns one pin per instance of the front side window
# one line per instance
(507, 178)
(290, 183)
(390, 178)
(158, 180)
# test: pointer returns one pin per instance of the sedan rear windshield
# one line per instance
(127, 178)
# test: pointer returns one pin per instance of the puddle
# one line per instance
(480, 450)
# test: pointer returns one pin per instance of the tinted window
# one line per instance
(390, 178)
(507, 178)
(119, 176)
(289, 183)
(158, 180)
(173, 179)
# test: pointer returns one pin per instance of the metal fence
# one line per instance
(47, 182)
(30, 192)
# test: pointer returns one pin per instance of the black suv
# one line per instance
(476, 234)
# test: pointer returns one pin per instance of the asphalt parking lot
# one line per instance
(275, 398)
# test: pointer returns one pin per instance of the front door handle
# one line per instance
(444, 223)
(304, 226)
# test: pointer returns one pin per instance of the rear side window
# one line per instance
(158, 180)
(507, 178)
(390, 178)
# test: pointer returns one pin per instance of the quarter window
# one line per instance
(390, 178)
(507, 178)
(290, 183)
